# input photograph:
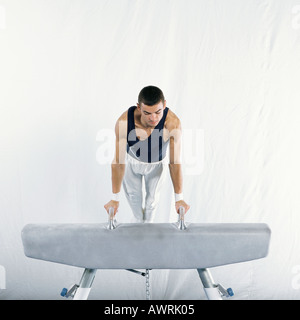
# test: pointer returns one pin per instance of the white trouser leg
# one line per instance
(132, 186)
(153, 174)
(153, 183)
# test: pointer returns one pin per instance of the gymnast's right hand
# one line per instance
(114, 204)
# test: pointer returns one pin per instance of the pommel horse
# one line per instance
(146, 246)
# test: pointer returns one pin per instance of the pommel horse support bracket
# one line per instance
(146, 246)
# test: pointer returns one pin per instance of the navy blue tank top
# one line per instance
(152, 149)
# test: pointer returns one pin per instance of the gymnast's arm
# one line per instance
(175, 162)
(118, 163)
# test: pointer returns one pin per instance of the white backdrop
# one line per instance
(229, 69)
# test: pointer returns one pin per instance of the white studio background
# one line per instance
(229, 69)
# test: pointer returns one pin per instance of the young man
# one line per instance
(143, 134)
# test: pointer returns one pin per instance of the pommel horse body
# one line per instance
(146, 246)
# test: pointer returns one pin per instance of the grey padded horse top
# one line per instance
(146, 245)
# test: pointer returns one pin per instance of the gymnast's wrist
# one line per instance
(115, 196)
(178, 196)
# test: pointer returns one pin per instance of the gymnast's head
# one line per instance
(151, 104)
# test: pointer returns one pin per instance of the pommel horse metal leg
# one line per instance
(81, 291)
(85, 284)
(213, 291)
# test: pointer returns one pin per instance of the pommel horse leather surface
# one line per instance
(146, 245)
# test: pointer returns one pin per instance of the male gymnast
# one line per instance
(143, 133)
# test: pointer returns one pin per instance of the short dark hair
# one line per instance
(150, 96)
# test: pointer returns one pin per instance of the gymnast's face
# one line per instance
(151, 115)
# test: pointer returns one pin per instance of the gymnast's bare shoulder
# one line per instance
(172, 124)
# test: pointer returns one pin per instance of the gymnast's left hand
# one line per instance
(114, 204)
(182, 203)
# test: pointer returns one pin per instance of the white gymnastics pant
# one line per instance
(153, 174)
